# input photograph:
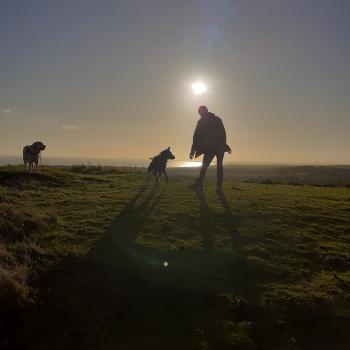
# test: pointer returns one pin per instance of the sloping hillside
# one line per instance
(100, 259)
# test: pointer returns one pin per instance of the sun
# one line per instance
(199, 88)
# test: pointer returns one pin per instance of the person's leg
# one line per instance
(207, 158)
(219, 171)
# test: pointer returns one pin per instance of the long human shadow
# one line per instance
(232, 224)
(244, 276)
(207, 226)
(206, 223)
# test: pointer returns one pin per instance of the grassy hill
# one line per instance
(99, 259)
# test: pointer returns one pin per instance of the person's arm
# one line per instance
(223, 136)
(222, 131)
(195, 141)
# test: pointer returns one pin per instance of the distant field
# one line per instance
(288, 174)
(95, 258)
(337, 175)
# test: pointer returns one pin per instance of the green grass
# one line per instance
(82, 252)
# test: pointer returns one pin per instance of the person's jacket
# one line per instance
(209, 136)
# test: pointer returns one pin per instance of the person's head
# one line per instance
(203, 111)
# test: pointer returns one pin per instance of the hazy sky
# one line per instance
(112, 79)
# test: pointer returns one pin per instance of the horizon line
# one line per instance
(227, 162)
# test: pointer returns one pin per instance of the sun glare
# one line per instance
(199, 88)
(191, 164)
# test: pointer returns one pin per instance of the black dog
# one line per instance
(158, 164)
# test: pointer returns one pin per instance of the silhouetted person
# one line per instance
(209, 139)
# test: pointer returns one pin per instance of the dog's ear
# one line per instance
(169, 148)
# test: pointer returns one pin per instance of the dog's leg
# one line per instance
(150, 173)
(166, 176)
(156, 176)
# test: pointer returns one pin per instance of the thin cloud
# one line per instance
(5, 110)
(69, 127)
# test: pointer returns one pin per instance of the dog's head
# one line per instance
(37, 147)
(167, 154)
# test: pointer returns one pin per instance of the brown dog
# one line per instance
(31, 155)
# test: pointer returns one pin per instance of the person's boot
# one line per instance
(197, 186)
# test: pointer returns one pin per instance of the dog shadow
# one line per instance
(123, 231)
